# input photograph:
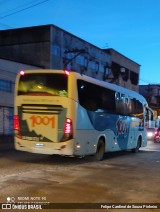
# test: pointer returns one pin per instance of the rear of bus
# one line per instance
(45, 107)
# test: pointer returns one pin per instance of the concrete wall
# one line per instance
(91, 60)
(26, 45)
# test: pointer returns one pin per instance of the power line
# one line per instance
(32, 4)
(26, 8)
(18, 7)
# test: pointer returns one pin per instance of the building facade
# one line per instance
(152, 94)
(53, 48)
(125, 72)
(50, 47)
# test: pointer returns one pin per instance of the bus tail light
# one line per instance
(68, 130)
(68, 126)
(17, 126)
(16, 123)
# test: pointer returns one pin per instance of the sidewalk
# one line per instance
(6, 142)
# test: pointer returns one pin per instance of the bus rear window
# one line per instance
(43, 84)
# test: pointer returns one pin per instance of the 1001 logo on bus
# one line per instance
(45, 120)
(122, 127)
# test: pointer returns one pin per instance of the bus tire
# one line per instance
(100, 150)
(135, 150)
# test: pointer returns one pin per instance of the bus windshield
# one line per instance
(43, 84)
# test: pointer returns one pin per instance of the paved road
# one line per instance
(121, 177)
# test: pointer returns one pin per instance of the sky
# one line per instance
(131, 27)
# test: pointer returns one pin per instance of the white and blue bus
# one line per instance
(66, 113)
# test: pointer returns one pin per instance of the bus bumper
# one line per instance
(48, 148)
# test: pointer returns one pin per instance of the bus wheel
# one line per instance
(135, 150)
(100, 150)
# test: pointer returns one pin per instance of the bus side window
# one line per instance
(121, 103)
(135, 108)
(108, 100)
(87, 98)
(94, 97)
(132, 107)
